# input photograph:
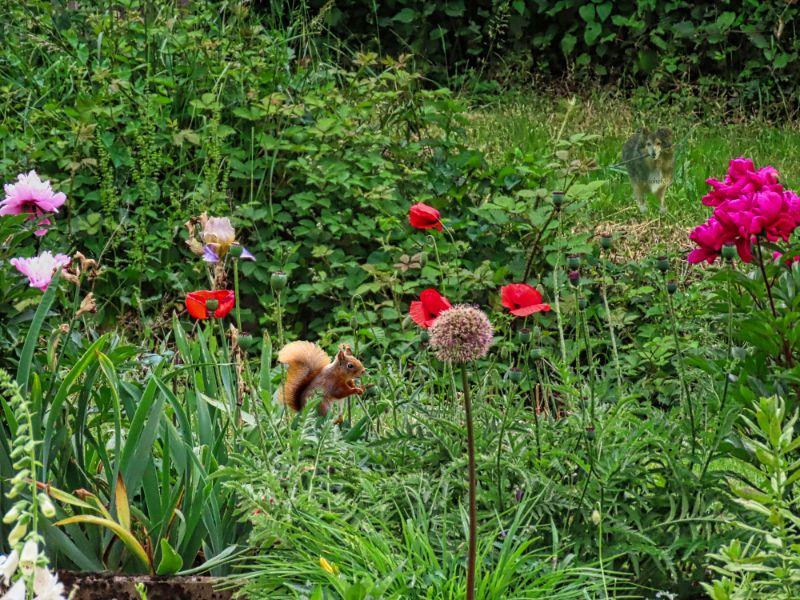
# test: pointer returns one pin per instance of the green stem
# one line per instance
(473, 516)
(236, 293)
(611, 332)
(557, 306)
(681, 369)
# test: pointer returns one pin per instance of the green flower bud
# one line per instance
(16, 535)
(12, 515)
(558, 200)
(582, 303)
(596, 517)
(729, 252)
(278, 280)
(672, 287)
(515, 375)
(606, 241)
(574, 261)
(662, 263)
(46, 506)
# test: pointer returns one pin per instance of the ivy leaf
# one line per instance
(568, 44)
(587, 12)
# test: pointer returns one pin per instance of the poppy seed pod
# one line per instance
(672, 287)
(515, 375)
(212, 304)
(590, 433)
(558, 200)
(574, 261)
(574, 277)
(235, 251)
(728, 252)
(582, 303)
(524, 335)
(278, 280)
(606, 241)
(662, 263)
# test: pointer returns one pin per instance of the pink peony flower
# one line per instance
(40, 269)
(32, 195)
(748, 203)
(742, 178)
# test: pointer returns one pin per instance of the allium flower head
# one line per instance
(31, 195)
(461, 334)
(40, 269)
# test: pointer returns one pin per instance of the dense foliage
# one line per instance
(745, 49)
(634, 417)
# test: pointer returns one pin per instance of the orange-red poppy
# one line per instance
(196, 303)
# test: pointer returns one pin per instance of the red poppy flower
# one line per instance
(196, 303)
(522, 299)
(429, 306)
(423, 216)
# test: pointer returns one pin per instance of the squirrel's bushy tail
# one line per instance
(305, 361)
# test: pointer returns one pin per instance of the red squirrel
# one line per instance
(311, 369)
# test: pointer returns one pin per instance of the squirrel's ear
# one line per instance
(340, 356)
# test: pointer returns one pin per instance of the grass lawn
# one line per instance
(703, 147)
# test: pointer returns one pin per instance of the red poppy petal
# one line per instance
(418, 314)
(524, 311)
(196, 306)
(433, 302)
(227, 300)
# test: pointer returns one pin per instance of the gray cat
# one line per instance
(648, 158)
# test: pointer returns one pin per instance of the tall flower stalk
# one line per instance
(461, 335)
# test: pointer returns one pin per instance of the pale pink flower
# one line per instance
(40, 269)
(31, 195)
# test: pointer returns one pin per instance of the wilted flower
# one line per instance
(461, 334)
(46, 585)
(31, 195)
(219, 236)
(40, 269)
(522, 299)
(423, 216)
(196, 303)
(88, 305)
(429, 306)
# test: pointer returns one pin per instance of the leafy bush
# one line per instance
(721, 47)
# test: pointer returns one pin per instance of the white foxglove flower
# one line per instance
(28, 558)
(17, 591)
(46, 585)
(8, 566)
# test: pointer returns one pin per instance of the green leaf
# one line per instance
(170, 562)
(592, 32)
(131, 543)
(603, 10)
(407, 15)
(587, 12)
(25, 359)
(568, 44)
(121, 501)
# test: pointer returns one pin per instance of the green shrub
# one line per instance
(745, 50)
